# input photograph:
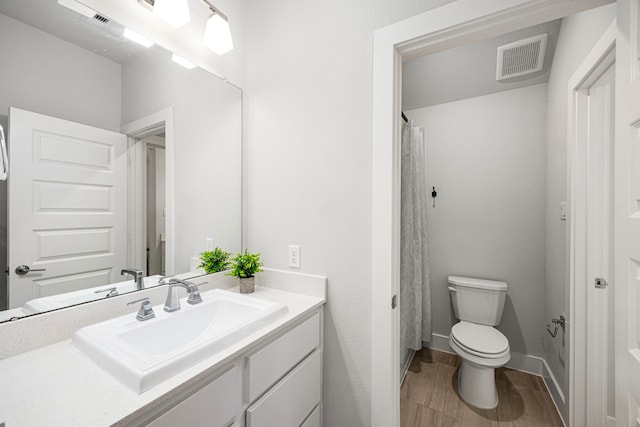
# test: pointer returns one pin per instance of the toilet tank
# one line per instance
(478, 301)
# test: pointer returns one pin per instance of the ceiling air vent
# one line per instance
(522, 57)
(100, 18)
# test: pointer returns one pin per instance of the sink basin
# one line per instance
(143, 354)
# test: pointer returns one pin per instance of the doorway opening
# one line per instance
(154, 201)
(451, 25)
(151, 173)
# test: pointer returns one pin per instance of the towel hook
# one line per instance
(557, 323)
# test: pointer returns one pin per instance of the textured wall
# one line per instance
(486, 158)
(308, 86)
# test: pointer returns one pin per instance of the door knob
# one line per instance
(21, 270)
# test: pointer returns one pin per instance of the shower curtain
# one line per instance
(415, 289)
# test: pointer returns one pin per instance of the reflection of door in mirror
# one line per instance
(71, 235)
(155, 211)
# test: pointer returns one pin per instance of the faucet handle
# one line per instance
(111, 292)
(194, 293)
(146, 310)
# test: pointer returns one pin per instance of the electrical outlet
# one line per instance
(294, 256)
(209, 244)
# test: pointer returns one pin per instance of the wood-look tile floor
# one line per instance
(429, 398)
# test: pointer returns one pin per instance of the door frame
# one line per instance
(457, 23)
(135, 130)
(145, 146)
(601, 56)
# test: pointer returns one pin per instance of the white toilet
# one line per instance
(478, 303)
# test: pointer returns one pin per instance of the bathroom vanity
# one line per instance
(271, 377)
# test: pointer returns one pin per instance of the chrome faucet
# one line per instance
(173, 302)
(137, 275)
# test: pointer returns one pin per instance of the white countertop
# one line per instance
(57, 385)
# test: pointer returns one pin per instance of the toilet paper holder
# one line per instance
(556, 323)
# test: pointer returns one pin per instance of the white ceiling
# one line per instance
(104, 39)
(468, 71)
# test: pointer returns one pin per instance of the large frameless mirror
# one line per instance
(121, 157)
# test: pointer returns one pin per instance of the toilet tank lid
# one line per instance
(471, 282)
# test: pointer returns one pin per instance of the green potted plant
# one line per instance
(244, 266)
(215, 260)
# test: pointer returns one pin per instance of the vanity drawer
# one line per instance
(268, 365)
(214, 405)
(290, 401)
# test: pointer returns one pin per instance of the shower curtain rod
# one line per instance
(404, 117)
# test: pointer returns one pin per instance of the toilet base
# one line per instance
(477, 385)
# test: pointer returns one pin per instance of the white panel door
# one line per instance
(67, 205)
(627, 215)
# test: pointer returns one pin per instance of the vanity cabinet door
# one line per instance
(289, 403)
(215, 405)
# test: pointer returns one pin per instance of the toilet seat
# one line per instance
(480, 340)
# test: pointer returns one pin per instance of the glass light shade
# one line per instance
(133, 36)
(173, 12)
(217, 35)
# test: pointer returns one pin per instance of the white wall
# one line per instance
(486, 158)
(308, 86)
(577, 36)
(208, 154)
(47, 75)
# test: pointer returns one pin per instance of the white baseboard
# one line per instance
(548, 377)
(439, 342)
(405, 368)
(557, 396)
(520, 362)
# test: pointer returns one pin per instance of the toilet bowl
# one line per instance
(482, 349)
(478, 303)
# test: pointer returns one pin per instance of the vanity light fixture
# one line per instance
(180, 60)
(217, 34)
(78, 7)
(133, 36)
(173, 12)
